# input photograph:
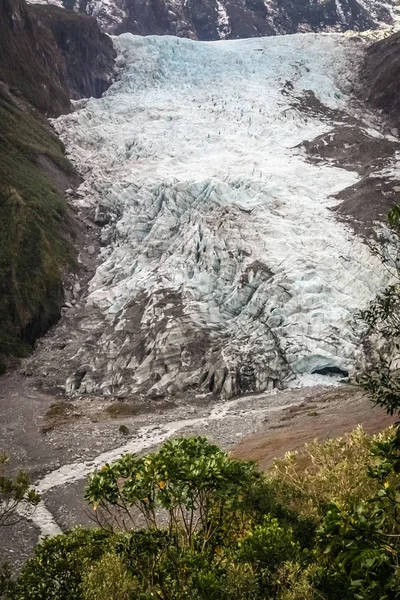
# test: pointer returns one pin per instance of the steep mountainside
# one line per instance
(88, 54)
(381, 76)
(30, 62)
(34, 249)
(230, 19)
(223, 172)
(47, 55)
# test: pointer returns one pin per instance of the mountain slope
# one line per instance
(224, 266)
(34, 249)
(231, 19)
(46, 56)
(380, 77)
(30, 62)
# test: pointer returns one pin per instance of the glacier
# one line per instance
(223, 267)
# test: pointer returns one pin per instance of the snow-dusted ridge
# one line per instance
(226, 267)
(219, 19)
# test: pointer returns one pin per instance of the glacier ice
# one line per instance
(225, 267)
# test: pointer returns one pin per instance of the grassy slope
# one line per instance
(33, 247)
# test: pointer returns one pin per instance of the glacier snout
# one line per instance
(226, 268)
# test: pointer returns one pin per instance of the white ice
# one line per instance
(194, 147)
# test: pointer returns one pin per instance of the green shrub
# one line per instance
(216, 529)
(108, 579)
(15, 494)
(59, 565)
(190, 484)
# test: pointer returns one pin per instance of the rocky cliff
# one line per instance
(230, 19)
(88, 55)
(381, 76)
(46, 56)
(30, 62)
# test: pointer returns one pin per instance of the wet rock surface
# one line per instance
(88, 54)
(48, 55)
(232, 19)
(380, 78)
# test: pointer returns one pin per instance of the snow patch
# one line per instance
(224, 28)
(108, 13)
(55, 2)
(340, 11)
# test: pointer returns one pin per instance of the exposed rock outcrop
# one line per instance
(88, 54)
(49, 55)
(381, 76)
(30, 62)
(231, 19)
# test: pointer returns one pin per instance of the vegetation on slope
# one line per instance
(47, 55)
(188, 522)
(33, 246)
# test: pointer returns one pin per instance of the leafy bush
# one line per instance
(17, 498)
(59, 564)
(108, 579)
(336, 470)
(189, 482)
(217, 529)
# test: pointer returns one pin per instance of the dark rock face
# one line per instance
(231, 19)
(87, 53)
(48, 55)
(30, 62)
(381, 77)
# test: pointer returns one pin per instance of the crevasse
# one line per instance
(226, 268)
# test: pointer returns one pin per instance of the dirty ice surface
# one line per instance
(222, 265)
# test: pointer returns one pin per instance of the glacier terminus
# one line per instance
(224, 267)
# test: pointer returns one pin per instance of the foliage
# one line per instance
(33, 247)
(334, 470)
(199, 487)
(297, 582)
(190, 523)
(362, 539)
(351, 485)
(6, 581)
(17, 498)
(381, 374)
(108, 579)
(59, 565)
(206, 533)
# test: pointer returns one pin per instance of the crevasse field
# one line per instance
(223, 265)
